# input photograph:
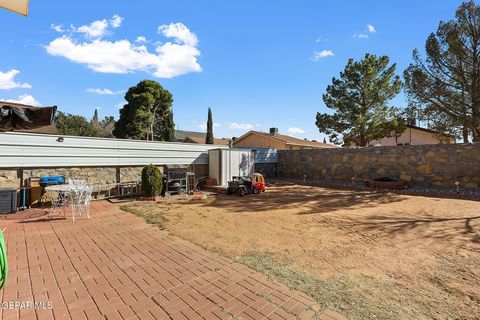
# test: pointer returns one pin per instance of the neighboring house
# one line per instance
(413, 135)
(274, 140)
(197, 137)
(180, 135)
(201, 140)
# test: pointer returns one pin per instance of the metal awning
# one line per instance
(18, 6)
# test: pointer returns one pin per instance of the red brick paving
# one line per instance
(115, 266)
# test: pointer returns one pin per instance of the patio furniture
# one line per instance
(77, 194)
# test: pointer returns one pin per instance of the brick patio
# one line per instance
(115, 266)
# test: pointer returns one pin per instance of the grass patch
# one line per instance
(341, 293)
(151, 218)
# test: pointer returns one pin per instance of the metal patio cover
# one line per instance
(18, 6)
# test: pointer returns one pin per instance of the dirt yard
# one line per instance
(367, 255)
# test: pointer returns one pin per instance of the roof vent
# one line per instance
(273, 131)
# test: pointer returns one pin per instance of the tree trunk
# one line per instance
(465, 134)
(476, 120)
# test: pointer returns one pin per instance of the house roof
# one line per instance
(424, 129)
(180, 135)
(288, 140)
(201, 140)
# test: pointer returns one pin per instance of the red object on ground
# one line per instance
(211, 182)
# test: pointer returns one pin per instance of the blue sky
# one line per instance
(257, 64)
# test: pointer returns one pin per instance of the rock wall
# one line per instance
(268, 170)
(94, 175)
(426, 165)
(10, 178)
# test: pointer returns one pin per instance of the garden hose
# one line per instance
(3, 260)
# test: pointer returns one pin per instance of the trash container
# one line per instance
(8, 200)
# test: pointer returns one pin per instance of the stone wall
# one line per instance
(94, 175)
(426, 166)
(268, 170)
(10, 178)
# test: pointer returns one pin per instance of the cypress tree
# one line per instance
(209, 138)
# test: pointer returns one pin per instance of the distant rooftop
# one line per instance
(197, 137)
(290, 140)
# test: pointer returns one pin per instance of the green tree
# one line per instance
(445, 85)
(106, 127)
(209, 138)
(146, 112)
(74, 125)
(95, 116)
(359, 100)
(152, 182)
(169, 128)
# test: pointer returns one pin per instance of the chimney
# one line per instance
(412, 121)
(273, 131)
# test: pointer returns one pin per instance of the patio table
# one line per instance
(67, 194)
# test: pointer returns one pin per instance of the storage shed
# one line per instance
(223, 164)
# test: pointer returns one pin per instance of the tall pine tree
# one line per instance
(445, 85)
(209, 138)
(359, 100)
(146, 114)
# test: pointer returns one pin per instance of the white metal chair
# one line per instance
(85, 200)
(61, 201)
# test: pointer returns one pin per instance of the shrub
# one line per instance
(151, 180)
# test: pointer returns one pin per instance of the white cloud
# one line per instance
(361, 36)
(296, 130)
(57, 27)
(203, 126)
(179, 32)
(7, 80)
(317, 55)
(116, 21)
(103, 91)
(96, 29)
(120, 105)
(243, 126)
(364, 35)
(141, 39)
(320, 39)
(26, 99)
(170, 59)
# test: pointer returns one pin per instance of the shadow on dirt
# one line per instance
(311, 199)
(446, 228)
